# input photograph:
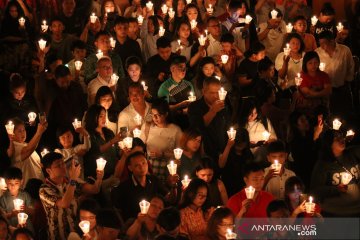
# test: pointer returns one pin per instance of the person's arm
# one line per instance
(30, 148)
(223, 192)
(284, 69)
(180, 105)
(133, 231)
(350, 67)
(315, 94)
(224, 156)
(263, 34)
(213, 110)
(292, 10)
(93, 188)
(11, 149)
(74, 173)
(107, 145)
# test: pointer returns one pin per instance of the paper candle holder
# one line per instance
(100, 164)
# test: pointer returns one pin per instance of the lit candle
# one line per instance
(218, 78)
(171, 13)
(241, 20)
(161, 31)
(224, 58)
(336, 124)
(274, 14)
(144, 206)
(206, 32)
(266, 136)
(93, 18)
(44, 26)
(314, 20)
(99, 54)
(287, 50)
(136, 133)
(42, 44)
(140, 19)
(113, 80)
(191, 97)
(210, 9)
(202, 40)
(185, 182)
(322, 66)
(112, 42)
(298, 80)
(350, 133)
(222, 94)
(100, 164)
(180, 46)
(44, 152)
(85, 226)
(345, 178)
(32, 116)
(22, 217)
(188, 1)
(138, 119)
(172, 167)
(289, 28)
(177, 153)
(149, 5)
(231, 133)
(121, 145)
(18, 203)
(10, 128)
(230, 234)
(76, 124)
(2, 184)
(78, 65)
(276, 166)
(22, 22)
(144, 85)
(193, 24)
(164, 9)
(128, 141)
(340, 27)
(248, 19)
(250, 191)
(310, 206)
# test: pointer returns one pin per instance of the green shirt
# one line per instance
(175, 92)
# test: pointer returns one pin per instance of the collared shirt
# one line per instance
(126, 117)
(175, 92)
(214, 47)
(274, 39)
(294, 67)
(276, 185)
(339, 66)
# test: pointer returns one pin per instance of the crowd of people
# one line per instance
(173, 119)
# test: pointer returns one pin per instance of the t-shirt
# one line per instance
(315, 83)
(175, 92)
(274, 39)
(276, 185)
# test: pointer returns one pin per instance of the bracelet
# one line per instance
(72, 182)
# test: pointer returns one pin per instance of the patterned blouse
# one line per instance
(193, 223)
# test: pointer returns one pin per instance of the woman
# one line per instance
(217, 195)
(336, 198)
(183, 33)
(161, 137)
(190, 142)
(194, 211)
(220, 221)
(178, 8)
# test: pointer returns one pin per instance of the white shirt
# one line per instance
(185, 51)
(274, 39)
(339, 67)
(256, 129)
(214, 47)
(149, 41)
(294, 67)
(94, 86)
(127, 115)
(276, 185)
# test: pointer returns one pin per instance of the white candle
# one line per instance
(206, 32)
(172, 167)
(188, 1)
(241, 20)
(274, 14)
(78, 65)
(164, 9)
(193, 24)
(93, 18)
(22, 217)
(144, 206)
(44, 152)
(350, 133)
(276, 166)
(138, 119)
(32, 116)
(266, 136)
(84, 226)
(144, 85)
(287, 50)
(191, 97)
(128, 141)
(340, 27)
(2, 184)
(298, 80)
(112, 42)
(42, 44)
(202, 40)
(222, 94)
(171, 13)
(289, 28)
(100, 164)
(185, 182)
(230, 234)
(149, 5)
(248, 19)
(22, 21)
(136, 133)
(345, 178)
(161, 31)
(18, 203)
(210, 9)
(314, 20)
(177, 153)
(99, 54)
(113, 80)
(231, 133)
(44, 26)
(310, 206)
(10, 128)
(140, 19)
(336, 124)
(250, 191)
(322, 66)
(76, 124)
(224, 58)
(121, 145)
(180, 46)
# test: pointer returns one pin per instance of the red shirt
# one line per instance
(256, 210)
(315, 83)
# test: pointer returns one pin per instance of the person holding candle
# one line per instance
(178, 12)
(192, 13)
(149, 34)
(72, 17)
(75, 65)
(326, 22)
(213, 36)
(300, 27)
(220, 221)
(14, 179)
(183, 33)
(134, 10)
(336, 198)
(297, 8)
(243, 207)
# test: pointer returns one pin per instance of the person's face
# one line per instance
(158, 118)
(253, 115)
(88, 216)
(133, 28)
(226, 223)
(109, 6)
(200, 197)
(193, 144)
(105, 69)
(214, 28)
(303, 123)
(211, 93)
(57, 169)
(300, 26)
(181, 5)
(151, 27)
(57, 27)
(294, 196)
(134, 71)
(106, 101)
(19, 93)
(103, 43)
(184, 31)
(121, 30)
(280, 156)
(192, 14)
(66, 140)
(13, 185)
(54, 65)
(63, 82)
(102, 119)
(79, 54)
(22, 236)
(326, 19)
(178, 71)
(3, 230)
(108, 233)
(13, 12)
(260, 55)
(338, 144)
(226, 47)
(136, 96)
(205, 174)
(325, 44)
(156, 205)
(68, 7)
(312, 65)
(138, 166)
(208, 69)
(255, 179)
(20, 133)
(164, 53)
(295, 45)
(280, 213)
(270, 72)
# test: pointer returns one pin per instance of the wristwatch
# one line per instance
(72, 182)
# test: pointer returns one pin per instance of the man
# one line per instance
(73, 20)
(340, 67)
(214, 28)
(212, 117)
(59, 194)
(141, 185)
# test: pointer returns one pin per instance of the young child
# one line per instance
(230, 49)
(23, 155)
(66, 140)
(14, 180)
(300, 27)
(78, 50)
(275, 181)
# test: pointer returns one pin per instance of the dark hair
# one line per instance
(24, 231)
(327, 9)
(307, 57)
(188, 134)
(78, 44)
(276, 146)
(298, 37)
(62, 71)
(132, 60)
(276, 205)
(169, 219)
(13, 173)
(212, 18)
(137, 142)
(32, 188)
(162, 106)
(120, 20)
(132, 20)
(227, 38)
(327, 35)
(48, 159)
(108, 218)
(209, 81)
(18, 7)
(136, 85)
(178, 59)
(63, 129)
(163, 42)
(264, 64)
(279, 13)
(134, 155)
(216, 220)
(251, 167)
(102, 91)
(255, 48)
(56, 19)
(192, 5)
(92, 117)
(16, 81)
(290, 184)
(101, 33)
(176, 32)
(191, 191)
(199, 78)
(51, 58)
(299, 18)
(205, 163)
(245, 110)
(327, 139)
(155, 22)
(89, 205)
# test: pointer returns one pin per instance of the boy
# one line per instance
(300, 26)
(229, 48)
(78, 50)
(275, 181)
(133, 31)
(14, 180)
